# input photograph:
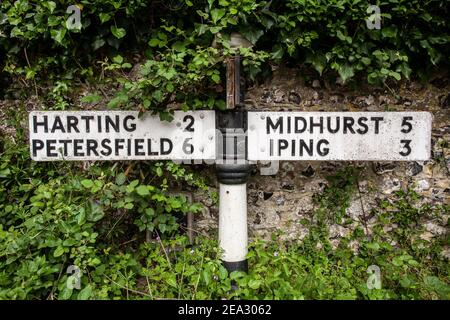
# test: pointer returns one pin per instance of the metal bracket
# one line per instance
(232, 166)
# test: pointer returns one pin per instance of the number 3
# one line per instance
(406, 145)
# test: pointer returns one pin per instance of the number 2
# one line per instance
(189, 127)
(406, 145)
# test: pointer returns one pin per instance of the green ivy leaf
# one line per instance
(104, 17)
(319, 61)
(4, 173)
(51, 5)
(165, 116)
(128, 206)
(154, 42)
(95, 212)
(171, 281)
(389, 32)
(252, 34)
(118, 59)
(373, 246)
(277, 53)
(86, 293)
(58, 35)
(395, 75)
(179, 46)
(216, 78)
(170, 87)
(118, 101)
(98, 43)
(119, 33)
(345, 71)
(366, 61)
(66, 293)
(397, 261)
(142, 190)
(87, 183)
(254, 284)
(223, 273)
(121, 178)
(58, 252)
(217, 14)
(91, 98)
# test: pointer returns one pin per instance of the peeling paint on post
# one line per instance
(233, 82)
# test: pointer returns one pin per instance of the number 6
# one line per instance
(188, 148)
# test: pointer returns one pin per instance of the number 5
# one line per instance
(406, 123)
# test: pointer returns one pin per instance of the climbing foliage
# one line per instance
(163, 52)
(115, 230)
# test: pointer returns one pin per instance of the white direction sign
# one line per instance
(363, 136)
(121, 135)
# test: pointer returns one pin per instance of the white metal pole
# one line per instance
(233, 237)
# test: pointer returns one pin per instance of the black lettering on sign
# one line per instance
(87, 120)
(304, 146)
(57, 125)
(129, 147)
(138, 146)
(118, 143)
(149, 148)
(282, 145)
(188, 148)
(312, 124)
(36, 145)
(377, 121)
(168, 143)
(348, 124)
(129, 127)
(322, 151)
(112, 123)
(297, 119)
(36, 124)
(406, 147)
(362, 123)
(274, 126)
(65, 143)
(51, 147)
(338, 123)
(106, 145)
(99, 124)
(406, 123)
(189, 127)
(72, 123)
(77, 148)
(91, 147)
